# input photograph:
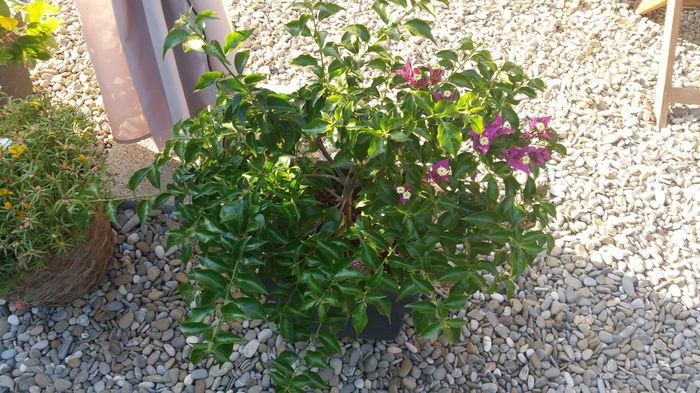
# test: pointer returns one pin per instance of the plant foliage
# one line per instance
(50, 179)
(377, 176)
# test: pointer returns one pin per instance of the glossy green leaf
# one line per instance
(174, 38)
(449, 137)
(142, 208)
(240, 60)
(207, 79)
(420, 27)
(235, 39)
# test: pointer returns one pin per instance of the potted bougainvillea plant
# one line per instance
(379, 176)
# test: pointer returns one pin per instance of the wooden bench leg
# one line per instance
(668, 55)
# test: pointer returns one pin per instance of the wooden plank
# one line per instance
(644, 6)
(668, 56)
(684, 95)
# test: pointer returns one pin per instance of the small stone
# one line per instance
(487, 344)
(359, 383)
(405, 368)
(606, 337)
(160, 251)
(13, 320)
(126, 320)
(264, 335)
(251, 348)
(199, 374)
(409, 383)
(42, 380)
(62, 385)
(628, 285)
(6, 382)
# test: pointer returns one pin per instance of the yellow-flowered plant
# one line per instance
(50, 182)
(26, 31)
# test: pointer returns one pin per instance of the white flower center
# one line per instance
(484, 140)
(442, 171)
(400, 190)
(526, 160)
(540, 126)
(406, 195)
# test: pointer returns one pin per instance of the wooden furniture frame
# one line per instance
(666, 94)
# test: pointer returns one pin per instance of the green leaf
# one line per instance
(207, 79)
(455, 301)
(161, 199)
(210, 279)
(193, 328)
(142, 209)
(305, 60)
(233, 210)
(359, 318)
(235, 39)
(186, 252)
(251, 308)
(381, 10)
(316, 359)
(348, 274)
(193, 43)
(420, 27)
(111, 209)
(423, 306)
(485, 219)
(376, 146)
(311, 380)
(358, 30)
(329, 342)
(325, 9)
(250, 283)
(315, 127)
(369, 256)
(174, 38)
(254, 78)
(240, 60)
(138, 177)
(449, 137)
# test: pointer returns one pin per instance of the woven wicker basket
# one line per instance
(69, 275)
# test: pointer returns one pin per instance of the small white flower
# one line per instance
(540, 126)
(406, 195)
(442, 171)
(484, 140)
(526, 160)
(400, 190)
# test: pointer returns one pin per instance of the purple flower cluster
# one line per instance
(539, 129)
(440, 172)
(520, 157)
(491, 131)
(405, 193)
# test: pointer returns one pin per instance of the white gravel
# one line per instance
(613, 309)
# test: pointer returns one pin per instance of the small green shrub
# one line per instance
(50, 180)
(375, 177)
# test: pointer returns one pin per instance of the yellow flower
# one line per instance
(82, 157)
(5, 191)
(26, 205)
(8, 22)
(16, 150)
(8, 205)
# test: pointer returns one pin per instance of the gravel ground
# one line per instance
(614, 308)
